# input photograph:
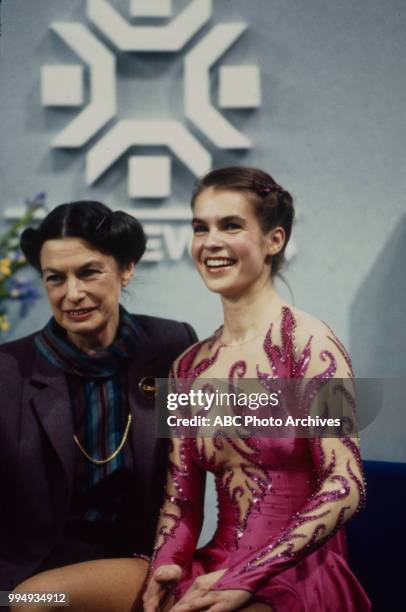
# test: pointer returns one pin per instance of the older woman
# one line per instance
(81, 468)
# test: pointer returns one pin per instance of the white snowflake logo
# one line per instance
(148, 176)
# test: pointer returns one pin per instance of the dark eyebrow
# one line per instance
(91, 262)
(232, 218)
(222, 219)
(51, 270)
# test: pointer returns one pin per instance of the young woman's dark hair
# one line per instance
(273, 205)
(114, 233)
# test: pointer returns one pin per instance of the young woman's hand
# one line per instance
(199, 597)
(162, 579)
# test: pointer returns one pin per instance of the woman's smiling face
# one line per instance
(229, 248)
(83, 287)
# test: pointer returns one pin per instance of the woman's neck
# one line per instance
(250, 315)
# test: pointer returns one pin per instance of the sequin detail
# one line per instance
(252, 474)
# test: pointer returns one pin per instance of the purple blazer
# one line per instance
(37, 451)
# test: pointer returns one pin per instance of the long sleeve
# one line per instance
(181, 516)
(339, 493)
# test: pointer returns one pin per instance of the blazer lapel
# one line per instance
(50, 396)
(143, 428)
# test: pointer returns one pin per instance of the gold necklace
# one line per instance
(114, 454)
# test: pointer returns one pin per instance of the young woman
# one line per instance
(282, 502)
(79, 457)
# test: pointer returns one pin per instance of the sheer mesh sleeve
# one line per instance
(181, 516)
(339, 493)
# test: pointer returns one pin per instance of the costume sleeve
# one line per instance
(181, 516)
(340, 486)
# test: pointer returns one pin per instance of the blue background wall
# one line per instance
(331, 129)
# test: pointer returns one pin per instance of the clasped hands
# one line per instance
(197, 597)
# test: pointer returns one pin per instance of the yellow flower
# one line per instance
(4, 324)
(5, 269)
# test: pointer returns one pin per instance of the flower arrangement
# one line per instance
(13, 286)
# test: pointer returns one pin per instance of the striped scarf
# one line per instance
(98, 387)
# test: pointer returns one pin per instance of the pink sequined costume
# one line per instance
(281, 502)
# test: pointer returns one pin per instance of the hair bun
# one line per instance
(126, 232)
(30, 244)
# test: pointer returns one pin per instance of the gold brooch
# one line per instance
(148, 387)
